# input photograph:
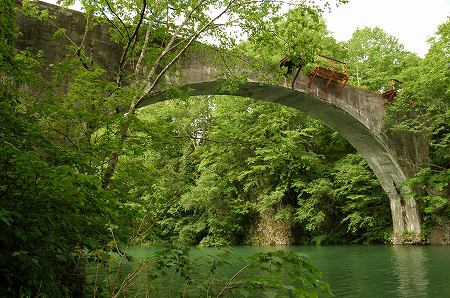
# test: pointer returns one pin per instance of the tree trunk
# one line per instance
(114, 159)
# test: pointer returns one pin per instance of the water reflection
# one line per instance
(384, 271)
(410, 266)
(355, 271)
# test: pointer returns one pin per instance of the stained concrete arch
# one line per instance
(404, 213)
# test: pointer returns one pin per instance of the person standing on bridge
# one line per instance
(290, 64)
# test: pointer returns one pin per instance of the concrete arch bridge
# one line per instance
(355, 113)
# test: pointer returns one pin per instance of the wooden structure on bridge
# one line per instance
(330, 70)
(395, 87)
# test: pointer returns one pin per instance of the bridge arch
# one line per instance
(377, 155)
(355, 113)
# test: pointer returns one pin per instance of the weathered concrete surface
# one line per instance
(39, 35)
(356, 114)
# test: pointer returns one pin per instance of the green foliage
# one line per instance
(31, 9)
(200, 171)
(432, 188)
(223, 162)
(315, 208)
(424, 108)
(51, 213)
(231, 85)
(279, 273)
(363, 202)
(47, 214)
(302, 32)
(8, 34)
(299, 35)
(375, 58)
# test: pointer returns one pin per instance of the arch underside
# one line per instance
(359, 136)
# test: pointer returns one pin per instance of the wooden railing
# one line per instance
(329, 70)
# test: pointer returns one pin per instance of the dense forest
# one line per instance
(85, 174)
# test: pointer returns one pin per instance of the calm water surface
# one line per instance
(384, 271)
(366, 271)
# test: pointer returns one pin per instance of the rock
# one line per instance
(440, 234)
(271, 232)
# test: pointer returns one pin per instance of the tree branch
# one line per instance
(233, 277)
(170, 43)
(164, 70)
(146, 88)
(137, 69)
(131, 41)
(117, 16)
(113, 24)
(65, 136)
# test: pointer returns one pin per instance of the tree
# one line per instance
(154, 34)
(227, 165)
(364, 205)
(51, 214)
(196, 21)
(297, 36)
(375, 58)
(151, 46)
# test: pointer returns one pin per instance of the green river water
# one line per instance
(350, 270)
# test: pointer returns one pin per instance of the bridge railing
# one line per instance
(395, 86)
(329, 70)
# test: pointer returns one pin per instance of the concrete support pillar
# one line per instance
(412, 216)
(405, 219)
(405, 216)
